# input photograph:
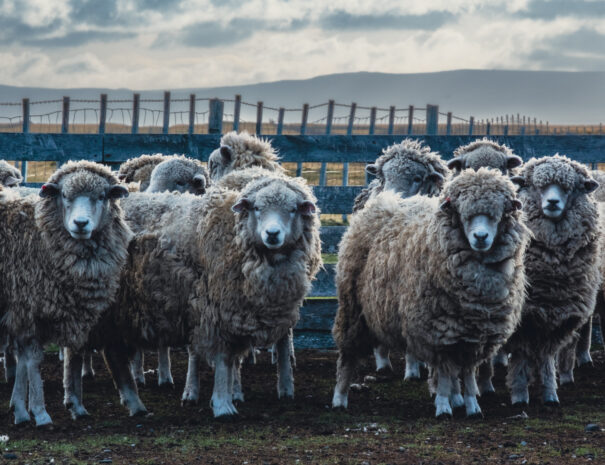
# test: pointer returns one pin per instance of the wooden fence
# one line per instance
(319, 309)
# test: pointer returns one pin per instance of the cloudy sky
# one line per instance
(151, 44)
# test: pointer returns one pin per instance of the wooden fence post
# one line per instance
(191, 129)
(303, 123)
(166, 125)
(522, 130)
(103, 114)
(259, 118)
(351, 119)
(330, 117)
(280, 121)
(471, 123)
(237, 105)
(506, 130)
(432, 119)
(65, 119)
(488, 129)
(136, 111)
(448, 128)
(391, 121)
(372, 120)
(215, 116)
(410, 119)
(323, 173)
(25, 106)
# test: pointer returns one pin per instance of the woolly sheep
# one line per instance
(9, 175)
(139, 169)
(239, 151)
(60, 259)
(484, 153)
(443, 278)
(562, 266)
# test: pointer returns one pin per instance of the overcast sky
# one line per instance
(154, 44)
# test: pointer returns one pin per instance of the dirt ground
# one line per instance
(387, 422)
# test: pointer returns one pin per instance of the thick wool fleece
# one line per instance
(409, 150)
(562, 261)
(249, 296)
(484, 153)
(139, 169)
(599, 194)
(238, 179)
(406, 274)
(9, 175)
(54, 288)
(247, 151)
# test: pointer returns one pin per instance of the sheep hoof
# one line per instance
(22, 419)
(585, 360)
(227, 418)
(488, 394)
(166, 385)
(88, 376)
(566, 378)
(142, 412)
(444, 416)
(238, 397)
(43, 419)
(475, 416)
(188, 403)
(520, 404)
(385, 374)
(552, 403)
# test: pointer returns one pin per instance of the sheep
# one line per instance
(239, 151)
(562, 266)
(9, 175)
(444, 277)
(61, 254)
(484, 153)
(138, 170)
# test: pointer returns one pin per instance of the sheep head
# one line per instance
(9, 175)
(179, 174)
(484, 153)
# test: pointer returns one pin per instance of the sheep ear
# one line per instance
(241, 205)
(517, 205)
(436, 177)
(372, 169)
(518, 180)
(590, 185)
(11, 181)
(226, 154)
(49, 189)
(121, 176)
(307, 208)
(446, 204)
(117, 191)
(512, 161)
(455, 164)
(199, 182)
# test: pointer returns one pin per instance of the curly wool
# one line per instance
(404, 152)
(484, 153)
(139, 169)
(599, 194)
(562, 261)
(249, 296)
(54, 288)
(406, 274)
(9, 171)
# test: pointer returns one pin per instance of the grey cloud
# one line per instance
(13, 30)
(583, 40)
(95, 12)
(159, 5)
(544, 9)
(343, 20)
(554, 60)
(77, 38)
(79, 67)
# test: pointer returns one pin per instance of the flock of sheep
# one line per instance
(460, 265)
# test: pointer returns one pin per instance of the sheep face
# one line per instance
(407, 177)
(83, 201)
(175, 175)
(274, 216)
(480, 232)
(220, 162)
(484, 153)
(9, 175)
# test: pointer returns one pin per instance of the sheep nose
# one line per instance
(81, 222)
(272, 236)
(480, 236)
(553, 201)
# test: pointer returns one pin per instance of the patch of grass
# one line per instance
(329, 258)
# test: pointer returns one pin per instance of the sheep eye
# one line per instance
(256, 209)
(101, 197)
(417, 179)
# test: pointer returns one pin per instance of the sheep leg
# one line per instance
(383, 362)
(238, 394)
(518, 379)
(34, 356)
(345, 368)
(485, 375)
(470, 393)
(164, 374)
(222, 394)
(501, 358)
(444, 388)
(191, 393)
(583, 350)
(412, 367)
(567, 358)
(291, 347)
(118, 365)
(20, 389)
(456, 399)
(73, 363)
(136, 367)
(60, 354)
(87, 369)
(549, 381)
(10, 364)
(285, 376)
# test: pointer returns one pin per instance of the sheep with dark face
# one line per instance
(562, 265)
(443, 278)
(179, 174)
(484, 153)
(239, 151)
(61, 255)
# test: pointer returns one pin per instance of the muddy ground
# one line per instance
(389, 422)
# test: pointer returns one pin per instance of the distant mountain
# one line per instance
(559, 97)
